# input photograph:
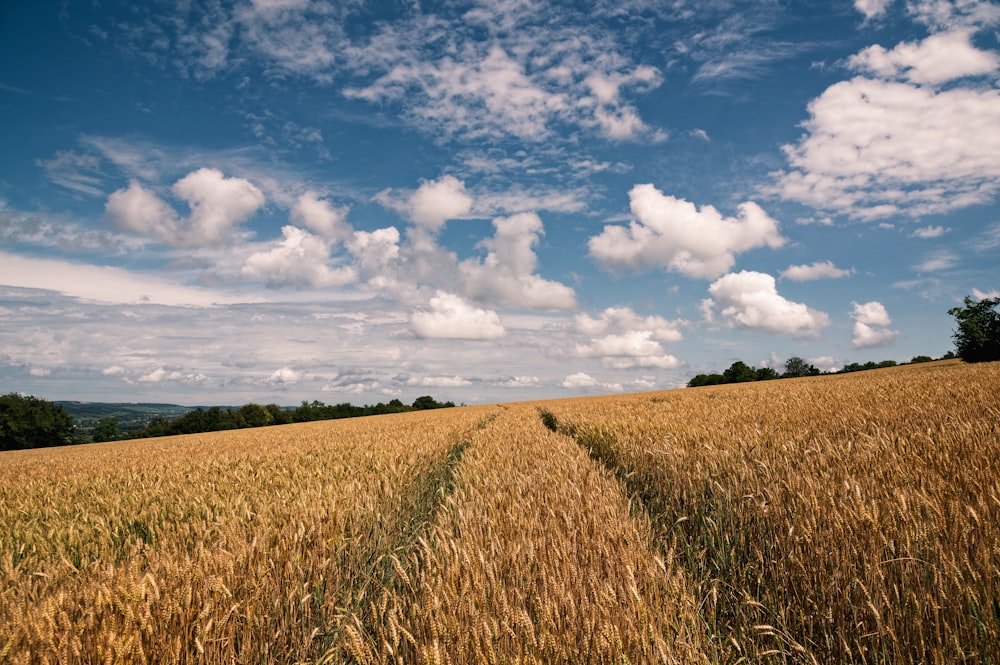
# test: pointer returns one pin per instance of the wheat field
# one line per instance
(850, 518)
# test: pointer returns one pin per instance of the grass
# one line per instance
(853, 518)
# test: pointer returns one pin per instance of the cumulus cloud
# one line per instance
(299, 259)
(875, 148)
(321, 217)
(635, 348)
(818, 270)
(673, 234)
(937, 59)
(624, 319)
(507, 273)
(285, 376)
(217, 205)
(376, 254)
(137, 210)
(451, 317)
(750, 300)
(579, 380)
(584, 380)
(871, 321)
(437, 201)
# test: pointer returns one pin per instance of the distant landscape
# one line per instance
(131, 417)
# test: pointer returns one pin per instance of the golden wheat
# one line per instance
(848, 518)
(236, 546)
(535, 558)
(851, 518)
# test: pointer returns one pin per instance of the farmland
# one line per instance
(849, 518)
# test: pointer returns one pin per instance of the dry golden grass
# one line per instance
(849, 518)
(852, 518)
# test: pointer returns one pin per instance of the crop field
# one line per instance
(849, 518)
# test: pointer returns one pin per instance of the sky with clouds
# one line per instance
(216, 202)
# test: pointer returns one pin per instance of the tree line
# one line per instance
(30, 422)
(795, 367)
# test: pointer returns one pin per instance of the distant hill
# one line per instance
(130, 417)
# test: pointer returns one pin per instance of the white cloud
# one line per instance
(377, 254)
(507, 273)
(39, 371)
(104, 284)
(826, 363)
(937, 59)
(451, 317)
(673, 234)
(285, 376)
(616, 120)
(871, 8)
(579, 380)
(74, 171)
(930, 232)
(636, 348)
(871, 313)
(623, 319)
(113, 370)
(818, 270)
(476, 94)
(217, 204)
(866, 337)
(300, 259)
(137, 210)
(955, 15)
(983, 295)
(871, 321)
(874, 149)
(161, 374)
(439, 382)
(320, 216)
(519, 382)
(938, 261)
(750, 300)
(433, 203)
(583, 380)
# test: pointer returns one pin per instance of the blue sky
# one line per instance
(278, 200)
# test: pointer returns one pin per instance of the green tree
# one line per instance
(254, 415)
(29, 422)
(796, 367)
(766, 374)
(706, 380)
(978, 336)
(107, 430)
(740, 372)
